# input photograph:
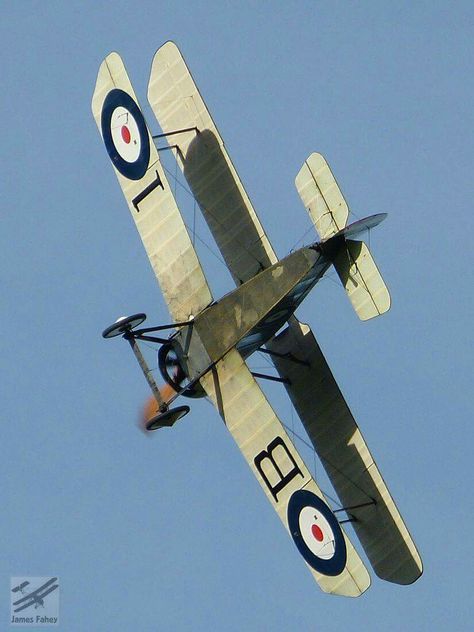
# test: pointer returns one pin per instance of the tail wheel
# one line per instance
(173, 373)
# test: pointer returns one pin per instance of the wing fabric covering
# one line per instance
(362, 281)
(253, 424)
(157, 218)
(345, 456)
(213, 180)
(321, 195)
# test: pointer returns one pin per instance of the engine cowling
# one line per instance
(174, 373)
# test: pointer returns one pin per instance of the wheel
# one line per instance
(123, 324)
(167, 418)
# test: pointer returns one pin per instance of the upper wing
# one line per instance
(284, 478)
(345, 456)
(147, 192)
(215, 184)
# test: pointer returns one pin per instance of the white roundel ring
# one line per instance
(125, 134)
(316, 533)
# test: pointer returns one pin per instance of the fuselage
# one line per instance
(250, 315)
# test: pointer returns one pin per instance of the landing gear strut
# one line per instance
(125, 327)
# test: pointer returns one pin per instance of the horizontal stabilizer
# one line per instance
(362, 281)
(345, 455)
(321, 195)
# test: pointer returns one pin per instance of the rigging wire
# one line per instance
(217, 219)
(311, 447)
(295, 435)
(185, 189)
(300, 240)
(195, 235)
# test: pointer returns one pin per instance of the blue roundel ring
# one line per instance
(131, 170)
(336, 564)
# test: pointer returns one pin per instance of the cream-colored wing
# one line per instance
(321, 195)
(149, 197)
(362, 280)
(286, 481)
(215, 184)
(345, 455)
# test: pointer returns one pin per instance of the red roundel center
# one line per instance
(317, 533)
(126, 136)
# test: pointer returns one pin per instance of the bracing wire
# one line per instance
(309, 445)
(214, 217)
(218, 221)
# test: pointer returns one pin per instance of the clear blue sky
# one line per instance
(173, 532)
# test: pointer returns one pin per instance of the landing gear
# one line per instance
(123, 325)
(166, 418)
(126, 327)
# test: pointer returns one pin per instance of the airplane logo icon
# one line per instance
(35, 597)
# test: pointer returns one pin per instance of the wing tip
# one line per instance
(112, 59)
(170, 46)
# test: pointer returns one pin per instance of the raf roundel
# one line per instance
(316, 533)
(125, 134)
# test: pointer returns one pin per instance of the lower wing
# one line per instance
(345, 455)
(285, 479)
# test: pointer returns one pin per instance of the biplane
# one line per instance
(210, 340)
